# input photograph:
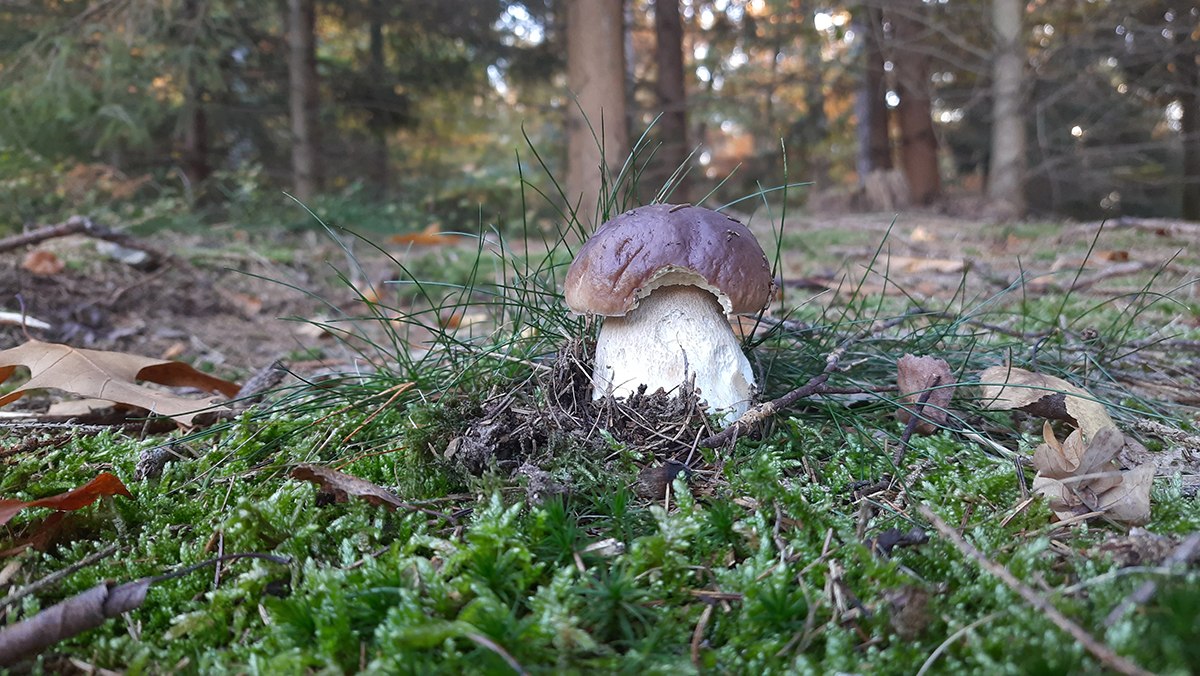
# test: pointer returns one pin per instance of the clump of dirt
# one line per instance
(515, 430)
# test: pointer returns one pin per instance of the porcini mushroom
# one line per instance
(667, 278)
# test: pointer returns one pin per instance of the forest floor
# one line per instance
(531, 529)
(234, 300)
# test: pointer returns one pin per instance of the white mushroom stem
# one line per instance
(674, 333)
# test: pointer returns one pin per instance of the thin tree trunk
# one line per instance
(1189, 103)
(194, 148)
(672, 126)
(875, 147)
(302, 96)
(1006, 173)
(597, 130)
(918, 144)
(378, 159)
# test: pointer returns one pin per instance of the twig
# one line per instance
(80, 225)
(1184, 553)
(503, 654)
(937, 652)
(57, 575)
(698, 634)
(815, 385)
(1102, 652)
(913, 418)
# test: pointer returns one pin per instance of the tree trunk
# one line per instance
(194, 150)
(918, 144)
(597, 130)
(874, 143)
(1189, 103)
(672, 126)
(378, 159)
(1006, 174)
(302, 96)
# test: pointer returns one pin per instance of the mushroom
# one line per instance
(667, 278)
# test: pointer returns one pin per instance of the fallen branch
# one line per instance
(89, 610)
(79, 225)
(54, 577)
(1106, 655)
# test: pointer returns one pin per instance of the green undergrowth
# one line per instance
(774, 560)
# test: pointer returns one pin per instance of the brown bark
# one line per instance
(194, 147)
(378, 158)
(875, 147)
(302, 97)
(1006, 173)
(597, 130)
(672, 101)
(1189, 102)
(918, 144)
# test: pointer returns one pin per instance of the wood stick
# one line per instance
(1100, 651)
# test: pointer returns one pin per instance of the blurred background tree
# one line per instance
(396, 115)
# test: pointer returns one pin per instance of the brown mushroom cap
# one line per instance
(663, 244)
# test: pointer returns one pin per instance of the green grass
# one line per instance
(759, 565)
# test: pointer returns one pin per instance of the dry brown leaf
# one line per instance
(431, 235)
(342, 486)
(1078, 478)
(103, 484)
(1006, 388)
(917, 375)
(107, 375)
(912, 265)
(42, 263)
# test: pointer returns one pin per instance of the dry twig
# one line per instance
(1186, 551)
(1106, 655)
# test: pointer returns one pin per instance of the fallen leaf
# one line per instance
(103, 484)
(42, 263)
(1007, 388)
(911, 264)
(80, 408)
(431, 235)
(916, 376)
(341, 487)
(107, 375)
(1078, 477)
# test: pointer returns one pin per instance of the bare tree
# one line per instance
(672, 101)
(918, 144)
(1006, 173)
(597, 130)
(302, 96)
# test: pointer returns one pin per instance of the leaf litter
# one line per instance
(111, 376)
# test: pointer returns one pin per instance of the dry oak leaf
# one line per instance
(110, 376)
(1006, 388)
(340, 487)
(103, 484)
(915, 376)
(1078, 477)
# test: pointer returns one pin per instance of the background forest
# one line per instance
(398, 115)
